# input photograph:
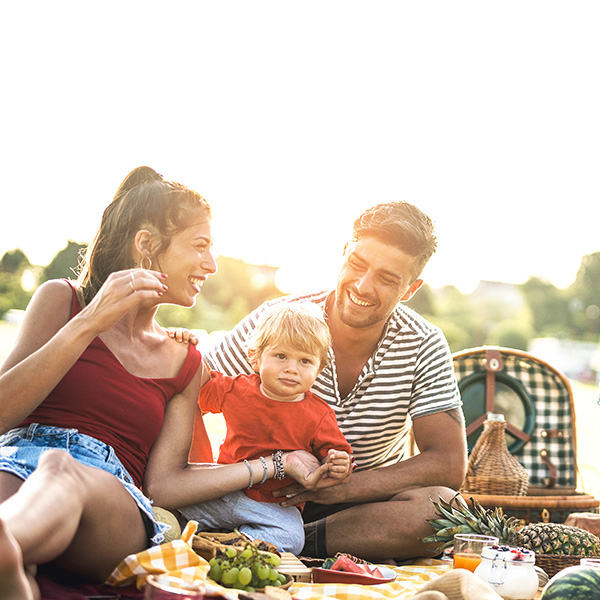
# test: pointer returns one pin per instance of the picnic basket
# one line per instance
(536, 401)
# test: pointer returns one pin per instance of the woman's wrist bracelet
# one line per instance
(251, 483)
(265, 470)
(278, 464)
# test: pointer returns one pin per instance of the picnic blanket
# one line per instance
(410, 579)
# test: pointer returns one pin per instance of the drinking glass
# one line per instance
(467, 549)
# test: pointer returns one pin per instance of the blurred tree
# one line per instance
(424, 301)
(12, 295)
(511, 333)
(14, 261)
(585, 298)
(65, 263)
(549, 308)
(227, 297)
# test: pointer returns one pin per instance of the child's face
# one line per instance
(286, 373)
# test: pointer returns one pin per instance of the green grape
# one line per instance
(276, 583)
(215, 573)
(246, 552)
(213, 561)
(231, 552)
(225, 564)
(250, 589)
(263, 583)
(230, 576)
(263, 572)
(273, 574)
(245, 576)
(282, 578)
(272, 558)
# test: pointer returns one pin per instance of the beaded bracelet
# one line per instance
(265, 470)
(278, 464)
(251, 473)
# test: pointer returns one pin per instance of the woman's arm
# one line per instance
(49, 342)
(47, 345)
(171, 482)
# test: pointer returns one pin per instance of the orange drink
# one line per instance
(468, 547)
(467, 561)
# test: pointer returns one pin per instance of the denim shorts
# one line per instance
(21, 448)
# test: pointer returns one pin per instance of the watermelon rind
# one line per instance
(577, 582)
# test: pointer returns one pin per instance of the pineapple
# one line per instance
(542, 538)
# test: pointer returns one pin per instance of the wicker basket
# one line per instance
(553, 563)
(492, 468)
(539, 506)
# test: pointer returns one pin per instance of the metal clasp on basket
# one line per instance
(498, 571)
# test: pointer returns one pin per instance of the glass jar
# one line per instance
(509, 571)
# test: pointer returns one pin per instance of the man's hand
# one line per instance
(296, 493)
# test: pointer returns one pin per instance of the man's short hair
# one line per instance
(401, 225)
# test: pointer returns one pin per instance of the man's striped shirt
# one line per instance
(410, 374)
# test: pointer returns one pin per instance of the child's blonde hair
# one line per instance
(299, 324)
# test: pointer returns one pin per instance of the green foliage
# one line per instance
(495, 314)
(12, 295)
(65, 263)
(227, 297)
(511, 333)
(549, 308)
(14, 261)
(585, 299)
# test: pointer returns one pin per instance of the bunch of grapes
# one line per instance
(246, 568)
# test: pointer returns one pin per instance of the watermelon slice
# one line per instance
(343, 563)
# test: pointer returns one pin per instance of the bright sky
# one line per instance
(292, 117)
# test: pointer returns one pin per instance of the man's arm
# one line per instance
(442, 461)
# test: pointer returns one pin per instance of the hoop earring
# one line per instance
(149, 263)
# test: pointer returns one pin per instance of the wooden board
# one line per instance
(293, 566)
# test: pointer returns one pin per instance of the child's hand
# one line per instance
(183, 336)
(341, 464)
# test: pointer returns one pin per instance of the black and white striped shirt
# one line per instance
(409, 375)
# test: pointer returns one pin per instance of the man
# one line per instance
(389, 368)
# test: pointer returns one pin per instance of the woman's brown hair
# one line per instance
(144, 200)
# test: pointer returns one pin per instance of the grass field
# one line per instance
(587, 413)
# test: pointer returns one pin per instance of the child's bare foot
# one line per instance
(14, 583)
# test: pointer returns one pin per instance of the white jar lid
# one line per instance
(513, 555)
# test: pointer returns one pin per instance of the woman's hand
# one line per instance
(121, 292)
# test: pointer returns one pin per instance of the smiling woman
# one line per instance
(97, 402)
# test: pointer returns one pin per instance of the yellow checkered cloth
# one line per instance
(175, 558)
(409, 580)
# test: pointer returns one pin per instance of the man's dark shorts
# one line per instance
(314, 512)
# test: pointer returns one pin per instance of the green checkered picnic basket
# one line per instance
(537, 403)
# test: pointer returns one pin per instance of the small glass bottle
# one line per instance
(510, 571)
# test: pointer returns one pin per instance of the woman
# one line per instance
(96, 401)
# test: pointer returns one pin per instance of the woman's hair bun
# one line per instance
(139, 176)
